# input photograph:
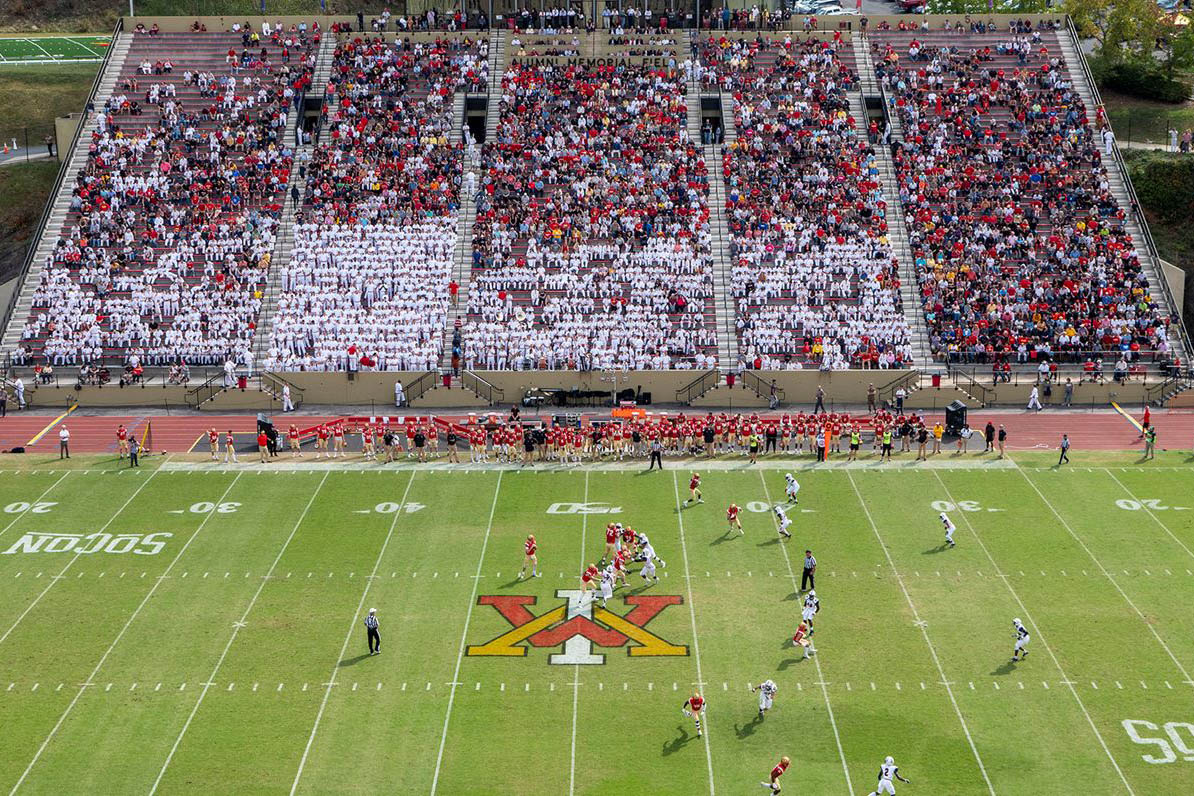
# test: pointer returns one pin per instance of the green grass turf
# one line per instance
(913, 639)
(53, 48)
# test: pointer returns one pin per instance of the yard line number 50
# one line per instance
(1180, 738)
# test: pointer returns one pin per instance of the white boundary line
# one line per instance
(1065, 678)
(443, 739)
(924, 632)
(49, 489)
(148, 595)
(1149, 512)
(58, 61)
(348, 636)
(73, 40)
(816, 657)
(584, 526)
(696, 647)
(235, 630)
(1110, 578)
(75, 558)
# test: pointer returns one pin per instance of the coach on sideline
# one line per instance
(371, 630)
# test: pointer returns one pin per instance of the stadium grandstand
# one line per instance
(754, 205)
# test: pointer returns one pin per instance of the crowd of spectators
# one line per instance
(1019, 244)
(814, 280)
(591, 245)
(166, 245)
(367, 281)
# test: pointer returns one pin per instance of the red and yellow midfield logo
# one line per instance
(576, 626)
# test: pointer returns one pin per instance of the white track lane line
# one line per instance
(1037, 629)
(235, 630)
(153, 589)
(696, 647)
(348, 636)
(924, 632)
(443, 739)
(816, 656)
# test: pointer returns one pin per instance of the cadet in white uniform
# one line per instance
(811, 607)
(1022, 639)
(766, 690)
(783, 521)
(887, 772)
(792, 488)
(949, 529)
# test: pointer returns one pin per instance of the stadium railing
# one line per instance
(484, 390)
(698, 386)
(419, 386)
(63, 168)
(1136, 209)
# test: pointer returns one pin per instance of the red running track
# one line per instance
(179, 433)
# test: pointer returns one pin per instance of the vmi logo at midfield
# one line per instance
(576, 626)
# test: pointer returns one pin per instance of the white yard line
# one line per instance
(696, 647)
(816, 656)
(75, 558)
(584, 524)
(149, 595)
(1149, 511)
(1110, 578)
(352, 624)
(31, 505)
(1065, 678)
(443, 739)
(235, 630)
(924, 632)
(84, 46)
(38, 46)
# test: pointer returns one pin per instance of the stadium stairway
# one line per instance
(1124, 197)
(897, 231)
(284, 239)
(48, 235)
(723, 296)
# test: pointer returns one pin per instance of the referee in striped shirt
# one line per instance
(371, 630)
(809, 577)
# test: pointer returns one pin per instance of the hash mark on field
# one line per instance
(59, 688)
(158, 687)
(11, 686)
(996, 684)
(1021, 684)
(503, 687)
(35, 685)
(108, 687)
(305, 686)
(1144, 685)
(1045, 683)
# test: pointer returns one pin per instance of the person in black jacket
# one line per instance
(452, 445)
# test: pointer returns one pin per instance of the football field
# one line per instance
(193, 628)
(52, 49)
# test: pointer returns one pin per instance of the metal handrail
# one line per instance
(698, 386)
(887, 391)
(212, 385)
(420, 386)
(482, 388)
(47, 211)
(274, 381)
(971, 383)
(758, 384)
(1150, 244)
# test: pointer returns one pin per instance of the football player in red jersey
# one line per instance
(588, 579)
(611, 542)
(122, 442)
(801, 639)
(694, 706)
(694, 490)
(629, 540)
(776, 773)
(213, 439)
(292, 434)
(732, 518)
(229, 447)
(619, 562)
(531, 549)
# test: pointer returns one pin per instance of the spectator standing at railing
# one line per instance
(20, 387)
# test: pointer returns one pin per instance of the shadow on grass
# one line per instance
(746, 730)
(353, 661)
(675, 745)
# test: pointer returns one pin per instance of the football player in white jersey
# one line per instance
(607, 583)
(792, 488)
(810, 609)
(782, 519)
(646, 554)
(887, 772)
(766, 690)
(949, 528)
(1022, 639)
